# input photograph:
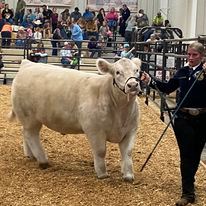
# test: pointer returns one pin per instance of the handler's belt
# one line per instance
(193, 111)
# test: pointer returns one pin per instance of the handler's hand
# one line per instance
(145, 78)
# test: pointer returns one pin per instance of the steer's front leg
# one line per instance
(98, 145)
(126, 146)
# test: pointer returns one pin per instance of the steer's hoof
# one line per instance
(103, 176)
(128, 178)
(44, 165)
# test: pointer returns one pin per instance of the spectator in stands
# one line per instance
(100, 17)
(46, 30)
(82, 23)
(142, 19)
(167, 23)
(21, 37)
(67, 55)
(92, 29)
(47, 13)
(65, 31)
(104, 32)
(37, 23)
(158, 20)
(131, 23)
(6, 32)
(1, 19)
(65, 15)
(127, 52)
(88, 15)
(120, 49)
(122, 22)
(29, 15)
(76, 34)
(94, 47)
(112, 18)
(39, 54)
(7, 14)
(37, 34)
(152, 39)
(26, 22)
(20, 9)
(55, 40)
(54, 19)
(38, 13)
(75, 15)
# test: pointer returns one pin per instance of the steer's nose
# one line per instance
(132, 86)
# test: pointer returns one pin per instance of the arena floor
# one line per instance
(71, 180)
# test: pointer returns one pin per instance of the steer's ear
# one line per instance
(103, 66)
(137, 62)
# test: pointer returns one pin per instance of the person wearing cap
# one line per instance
(67, 54)
(76, 15)
(20, 37)
(127, 52)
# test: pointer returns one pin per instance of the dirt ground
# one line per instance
(71, 181)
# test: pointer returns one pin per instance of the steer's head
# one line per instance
(125, 73)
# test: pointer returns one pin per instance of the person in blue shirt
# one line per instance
(76, 34)
(127, 52)
(190, 118)
(88, 15)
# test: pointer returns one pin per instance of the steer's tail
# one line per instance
(11, 116)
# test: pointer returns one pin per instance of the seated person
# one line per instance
(21, 36)
(39, 54)
(46, 30)
(92, 29)
(94, 47)
(67, 55)
(127, 52)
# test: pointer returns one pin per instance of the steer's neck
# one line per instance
(120, 98)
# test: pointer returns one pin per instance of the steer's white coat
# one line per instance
(70, 101)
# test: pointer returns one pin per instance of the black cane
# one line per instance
(172, 118)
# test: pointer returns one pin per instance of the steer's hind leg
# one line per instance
(33, 147)
(98, 145)
(126, 146)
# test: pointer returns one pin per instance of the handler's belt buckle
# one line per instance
(194, 111)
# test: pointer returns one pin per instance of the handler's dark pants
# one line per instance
(190, 133)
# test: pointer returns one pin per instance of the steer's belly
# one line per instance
(64, 127)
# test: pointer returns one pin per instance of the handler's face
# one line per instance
(194, 57)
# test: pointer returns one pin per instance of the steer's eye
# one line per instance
(117, 72)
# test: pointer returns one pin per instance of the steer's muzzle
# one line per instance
(132, 86)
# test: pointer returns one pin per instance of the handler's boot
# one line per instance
(185, 200)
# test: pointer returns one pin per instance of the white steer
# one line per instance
(104, 107)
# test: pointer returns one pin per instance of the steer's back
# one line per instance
(49, 94)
